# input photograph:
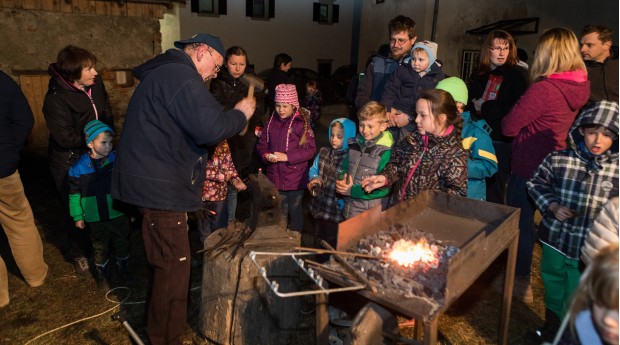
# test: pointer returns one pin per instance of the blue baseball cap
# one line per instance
(210, 40)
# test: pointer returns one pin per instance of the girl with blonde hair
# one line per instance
(593, 316)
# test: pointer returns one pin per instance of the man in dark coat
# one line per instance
(402, 37)
(16, 217)
(172, 121)
(601, 62)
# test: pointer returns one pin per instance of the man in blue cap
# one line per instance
(172, 122)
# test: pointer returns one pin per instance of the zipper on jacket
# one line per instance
(92, 101)
(193, 178)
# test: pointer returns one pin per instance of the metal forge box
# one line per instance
(480, 230)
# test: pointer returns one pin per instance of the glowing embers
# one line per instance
(419, 254)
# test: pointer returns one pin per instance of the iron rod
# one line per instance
(326, 251)
(350, 268)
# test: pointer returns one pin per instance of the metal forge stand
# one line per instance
(481, 231)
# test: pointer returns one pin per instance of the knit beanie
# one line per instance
(455, 87)
(287, 94)
(431, 50)
(93, 128)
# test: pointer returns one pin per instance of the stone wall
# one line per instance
(31, 40)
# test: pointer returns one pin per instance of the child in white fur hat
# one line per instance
(419, 72)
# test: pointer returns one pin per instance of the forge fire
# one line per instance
(409, 254)
(413, 263)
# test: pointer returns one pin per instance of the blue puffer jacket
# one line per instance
(172, 120)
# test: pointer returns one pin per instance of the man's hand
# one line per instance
(391, 115)
(247, 107)
(80, 224)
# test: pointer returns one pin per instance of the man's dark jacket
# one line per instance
(172, 120)
(603, 77)
(16, 121)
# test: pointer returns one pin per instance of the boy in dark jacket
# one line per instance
(90, 180)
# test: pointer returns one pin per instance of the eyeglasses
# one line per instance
(499, 49)
(217, 67)
(399, 41)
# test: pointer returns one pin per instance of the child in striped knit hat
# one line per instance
(286, 145)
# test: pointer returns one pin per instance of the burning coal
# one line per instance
(409, 254)
(415, 263)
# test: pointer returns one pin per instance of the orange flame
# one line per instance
(408, 253)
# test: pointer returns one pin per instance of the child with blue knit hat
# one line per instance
(90, 180)
(326, 205)
(418, 72)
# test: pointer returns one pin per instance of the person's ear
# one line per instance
(90, 145)
(200, 52)
(581, 131)
(384, 126)
(442, 119)
(607, 45)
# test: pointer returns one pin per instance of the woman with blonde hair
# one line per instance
(539, 123)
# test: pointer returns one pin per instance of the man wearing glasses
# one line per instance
(172, 121)
(402, 38)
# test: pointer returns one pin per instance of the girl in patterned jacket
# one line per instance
(220, 171)
(432, 158)
(569, 188)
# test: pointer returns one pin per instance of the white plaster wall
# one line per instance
(455, 17)
(170, 27)
(292, 31)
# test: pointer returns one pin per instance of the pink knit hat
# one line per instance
(286, 93)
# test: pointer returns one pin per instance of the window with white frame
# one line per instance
(469, 62)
